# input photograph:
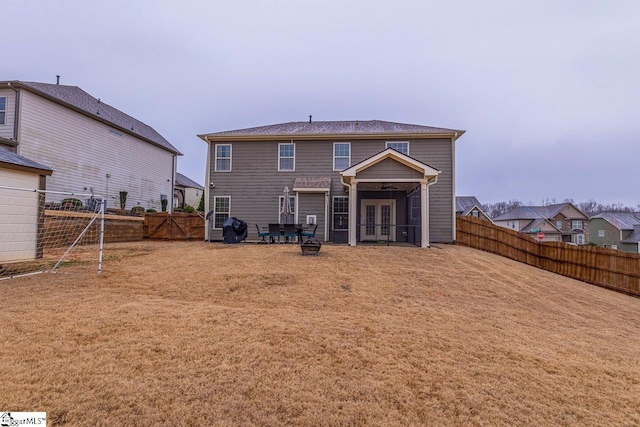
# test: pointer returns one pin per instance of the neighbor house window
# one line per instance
(475, 213)
(292, 203)
(286, 157)
(221, 210)
(559, 225)
(341, 155)
(600, 233)
(402, 147)
(576, 224)
(580, 239)
(3, 109)
(341, 213)
(223, 157)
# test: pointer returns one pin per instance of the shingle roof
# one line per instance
(319, 128)
(12, 158)
(187, 182)
(78, 99)
(311, 183)
(532, 212)
(635, 236)
(621, 220)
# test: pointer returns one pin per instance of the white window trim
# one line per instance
(280, 157)
(333, 213)
(341, 157)
(6, 105)
(386, 145)
(221, 158)
(215, 212)
(600, 233)
(575, 221)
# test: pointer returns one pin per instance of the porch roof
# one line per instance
(312, 185)
(425, 170)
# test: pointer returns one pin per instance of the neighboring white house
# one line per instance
(88, 144)
(20, 211)
(187, 192)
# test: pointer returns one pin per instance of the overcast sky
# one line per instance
(548, 91)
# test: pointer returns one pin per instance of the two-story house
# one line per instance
(616, 230)
(89, 144)
(357, 181)
(561, 222)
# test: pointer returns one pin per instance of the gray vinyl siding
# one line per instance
(389, 168)
(312, 204)
(255, 183)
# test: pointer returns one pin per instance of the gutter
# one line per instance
(16, 110)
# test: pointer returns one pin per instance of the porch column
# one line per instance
(353, 211)
(424, 214)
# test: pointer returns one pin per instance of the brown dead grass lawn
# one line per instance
(208, 334)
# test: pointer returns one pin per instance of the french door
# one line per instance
(376, 218)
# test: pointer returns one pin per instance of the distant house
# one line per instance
(562, 222)
(616, 230)
(357, 181)
(88, 144)
(186, 192)
(470, 206)
(21, 211)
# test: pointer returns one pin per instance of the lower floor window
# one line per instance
(579, 239)
(340, 213)
(221, 210)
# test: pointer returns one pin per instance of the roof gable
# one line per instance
(389, 153)
(187, 182)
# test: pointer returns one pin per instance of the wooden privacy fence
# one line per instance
(173, 226)
(599, 266)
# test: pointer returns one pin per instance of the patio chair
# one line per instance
(262, 234)
(274, 231)
(310, 233)
(290, 232)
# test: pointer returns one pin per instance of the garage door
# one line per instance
(18, 216)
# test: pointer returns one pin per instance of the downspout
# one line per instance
(326, 216)
(207, 190)
(173, 181)
(16, 108)
(453, 186)
(350, 213)
(428, 209)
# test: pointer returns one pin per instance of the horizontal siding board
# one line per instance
(82, 151)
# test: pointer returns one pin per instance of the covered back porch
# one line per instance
(388, 199)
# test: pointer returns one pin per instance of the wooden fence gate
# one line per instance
(173, 226)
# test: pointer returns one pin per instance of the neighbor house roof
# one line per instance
(533, 212)
(322, 129)
(186, 182)
(621, 220)
(79, 100)
(464, 204)
(10, 158)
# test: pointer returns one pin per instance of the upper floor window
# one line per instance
(559, 225)
(287, 157)
(576, 224)
(223, 157)
(3, 109)
(402, 147)
(341, 155)
(475, 213)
